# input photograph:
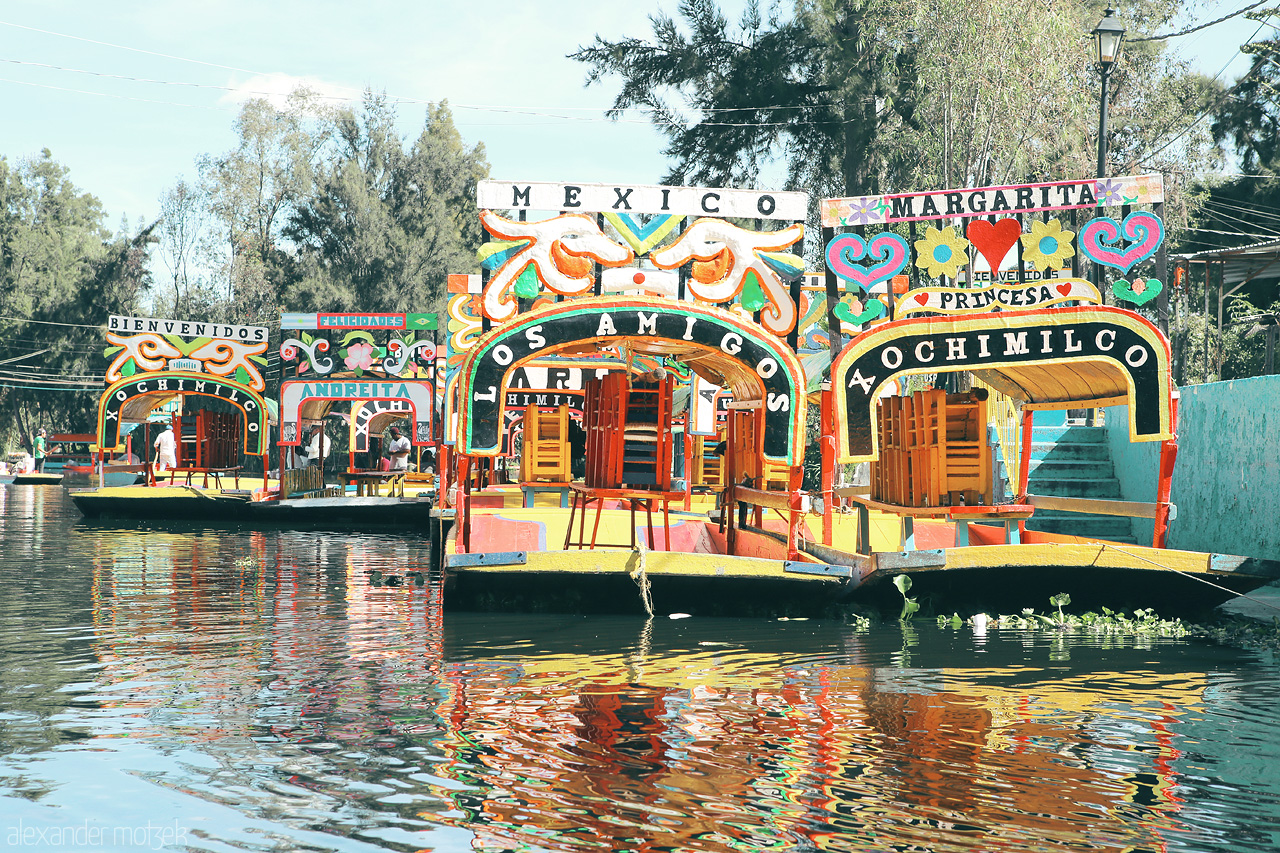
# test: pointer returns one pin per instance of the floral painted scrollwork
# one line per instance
(291, 348)
(558, 254)
(726, 257)
(149, 352)
(401, 353)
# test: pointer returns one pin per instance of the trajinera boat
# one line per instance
(204, 381)
(657, 360)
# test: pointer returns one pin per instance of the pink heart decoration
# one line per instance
(994, 239)
(847, 248)
(1144, 231)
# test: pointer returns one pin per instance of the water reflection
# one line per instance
(260, 689)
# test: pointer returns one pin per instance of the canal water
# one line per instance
(191, 688)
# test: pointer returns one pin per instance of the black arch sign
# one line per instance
(1006, 340)
(773, 364)
(172, 384)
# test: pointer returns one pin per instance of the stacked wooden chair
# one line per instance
(933, 450)
(629, 440)
(545, 455)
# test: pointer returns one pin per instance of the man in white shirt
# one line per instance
(166, 450)
(318, 448)
(398, 450)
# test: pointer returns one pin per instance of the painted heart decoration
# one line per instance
(994, 239)
(1142, 230)
(846, 249)
(1151, 288)
(873, 309)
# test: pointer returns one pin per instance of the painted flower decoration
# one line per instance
(942, 252)
(1047, 245)
(1107, 192)
(359, 356)
(864, 211)
(835, 212)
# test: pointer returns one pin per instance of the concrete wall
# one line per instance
(1226, 483)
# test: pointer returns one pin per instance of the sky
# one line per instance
(128, 95)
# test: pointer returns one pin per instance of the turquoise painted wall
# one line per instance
(1226, 483)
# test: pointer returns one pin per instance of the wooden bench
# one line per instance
(532, 488)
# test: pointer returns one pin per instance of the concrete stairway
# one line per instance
(1075, 461)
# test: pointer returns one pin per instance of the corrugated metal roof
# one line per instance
(1262, 248)
(1242, 263)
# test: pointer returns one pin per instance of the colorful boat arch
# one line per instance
(369, 416)
(127, 399)
(757, 366)
(1077, 357)
(298, 393)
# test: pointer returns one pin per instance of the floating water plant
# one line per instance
(909, 605)
(1142, 621)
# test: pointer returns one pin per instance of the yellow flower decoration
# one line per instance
(942, 252)
(1047, 246)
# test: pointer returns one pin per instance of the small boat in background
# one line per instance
(35, 478)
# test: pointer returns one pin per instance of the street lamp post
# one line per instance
(1106, 37)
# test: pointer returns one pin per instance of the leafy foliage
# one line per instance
(386, 226)
(864, 96)
(61, 274)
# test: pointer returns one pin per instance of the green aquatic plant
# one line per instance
(1112, 623)
(909, 605)
(1240, 632)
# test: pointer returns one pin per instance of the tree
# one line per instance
(866, 96)
(254, 189)
(183, 241)
(816, 89)
(61, 274)
(385, 227)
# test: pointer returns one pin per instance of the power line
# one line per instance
(107, 95)
(1198, 27)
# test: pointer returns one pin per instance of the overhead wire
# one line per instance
(1205, 113)
(1198, 27)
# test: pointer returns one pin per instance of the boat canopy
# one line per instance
(1076, 357)
(132, 398)
(309, 400)
(726, 349)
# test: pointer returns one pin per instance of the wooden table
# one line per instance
(1007, 515)
(584, 496)
(531, 488)
(216, 473)
(369, 482)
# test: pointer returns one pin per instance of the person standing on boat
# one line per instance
(398, 450)
(318, 448)
(39, 449)
(166, 450)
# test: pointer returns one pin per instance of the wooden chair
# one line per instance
(966, 457)
(545, 453)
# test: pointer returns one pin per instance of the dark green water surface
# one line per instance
(167, 687)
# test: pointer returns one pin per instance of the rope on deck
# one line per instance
(641, 577)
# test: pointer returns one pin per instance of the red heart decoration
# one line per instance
(1064, 289)
(922, 298)
(994, 239)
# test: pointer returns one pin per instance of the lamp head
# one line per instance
(1106, 38)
